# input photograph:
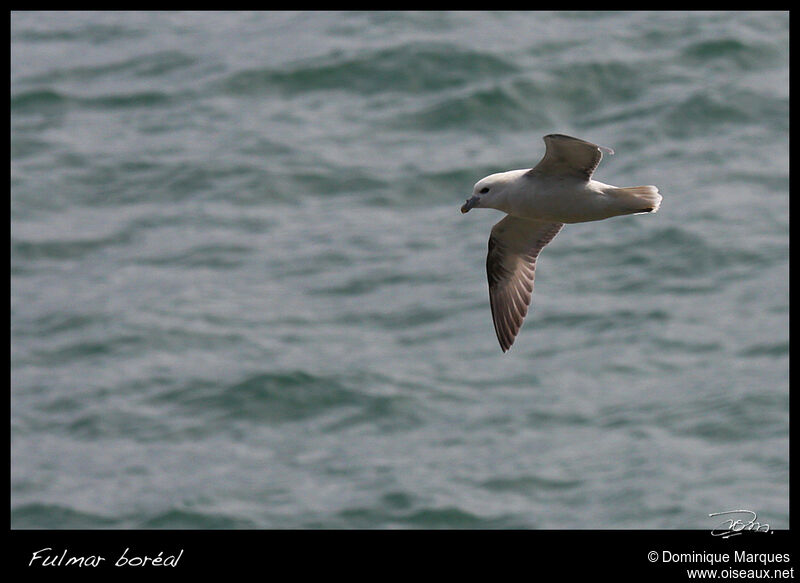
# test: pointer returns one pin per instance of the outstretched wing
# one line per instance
(514, 245)
(568, 156)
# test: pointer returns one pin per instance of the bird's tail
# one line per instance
(636, 199)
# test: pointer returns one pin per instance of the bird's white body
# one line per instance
(559, 199)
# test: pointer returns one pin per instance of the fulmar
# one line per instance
(538, 202)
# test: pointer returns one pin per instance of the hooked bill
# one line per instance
(470, 203)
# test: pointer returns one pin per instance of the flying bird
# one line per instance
(538, 202)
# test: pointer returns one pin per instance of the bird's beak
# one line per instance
(471, 203)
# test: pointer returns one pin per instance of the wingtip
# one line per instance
(605, 149)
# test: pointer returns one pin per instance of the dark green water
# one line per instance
(243, 295)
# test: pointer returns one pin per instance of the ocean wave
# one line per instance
(217, 256)
(49, 101)
(703, 111)
(530, 99)
(179, 518)
(37, 100)
(47, 516)
(530, 483)
(413, 68)
(268, 397)
(496, 106)
(95, 33)
(148, 65)
(732, 54)
(29, 250)
(424, 517)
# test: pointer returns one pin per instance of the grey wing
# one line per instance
(514, 245)
(568, 156)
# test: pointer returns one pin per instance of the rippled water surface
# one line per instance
(243, 295)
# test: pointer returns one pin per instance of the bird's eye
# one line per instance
(484, 190)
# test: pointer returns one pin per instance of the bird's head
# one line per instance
(489, 192)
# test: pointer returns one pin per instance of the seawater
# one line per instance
(243, 295)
